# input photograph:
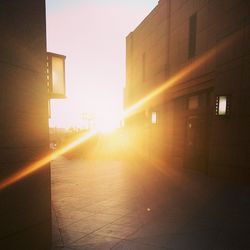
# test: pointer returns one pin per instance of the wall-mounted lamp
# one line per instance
(222, 105)
(154, 117)
(56, 75)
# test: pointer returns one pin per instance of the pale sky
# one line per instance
(91, 33)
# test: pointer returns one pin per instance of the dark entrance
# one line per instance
(197, 132)
(196, 153)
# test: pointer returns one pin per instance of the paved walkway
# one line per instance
(110, 205)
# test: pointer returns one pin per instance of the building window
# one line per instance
(154, 117)
(192, 35)
(222, 105)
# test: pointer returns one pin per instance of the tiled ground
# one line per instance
(110, 205)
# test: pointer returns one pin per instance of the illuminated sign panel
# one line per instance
(56, 75)
(222, 105)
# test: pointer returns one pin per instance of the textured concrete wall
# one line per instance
(25, 205)
(222, 48)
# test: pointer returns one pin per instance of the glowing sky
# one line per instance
(91, 33)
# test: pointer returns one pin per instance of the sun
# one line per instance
(100, 110)
(107, 122)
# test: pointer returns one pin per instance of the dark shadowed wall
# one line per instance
(25, 219)
(209, 40)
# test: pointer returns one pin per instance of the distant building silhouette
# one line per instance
(25, 206)
(193, 57)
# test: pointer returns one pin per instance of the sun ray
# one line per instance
(44, 161)
(183, 73)
(128, 112)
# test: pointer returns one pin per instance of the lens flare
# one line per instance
(44, 161)
(183, 73)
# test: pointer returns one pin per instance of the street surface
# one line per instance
(103, 203)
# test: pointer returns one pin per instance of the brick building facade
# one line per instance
(191, 60)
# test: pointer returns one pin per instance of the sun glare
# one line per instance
(108, 121)
(101, 109)
(106, 127)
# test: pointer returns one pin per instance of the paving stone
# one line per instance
(128, 245)
(113, 205)
(95, 241)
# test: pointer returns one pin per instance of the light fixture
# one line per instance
(222, 105)
(154, 117)
(56, 75)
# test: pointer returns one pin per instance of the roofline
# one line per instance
(144, 20)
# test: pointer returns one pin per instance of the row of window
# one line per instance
(191, 47)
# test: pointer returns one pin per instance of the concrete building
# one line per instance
(191, 60)
(25, 206)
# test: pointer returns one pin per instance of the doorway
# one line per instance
(198, 121)
(196, 150)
